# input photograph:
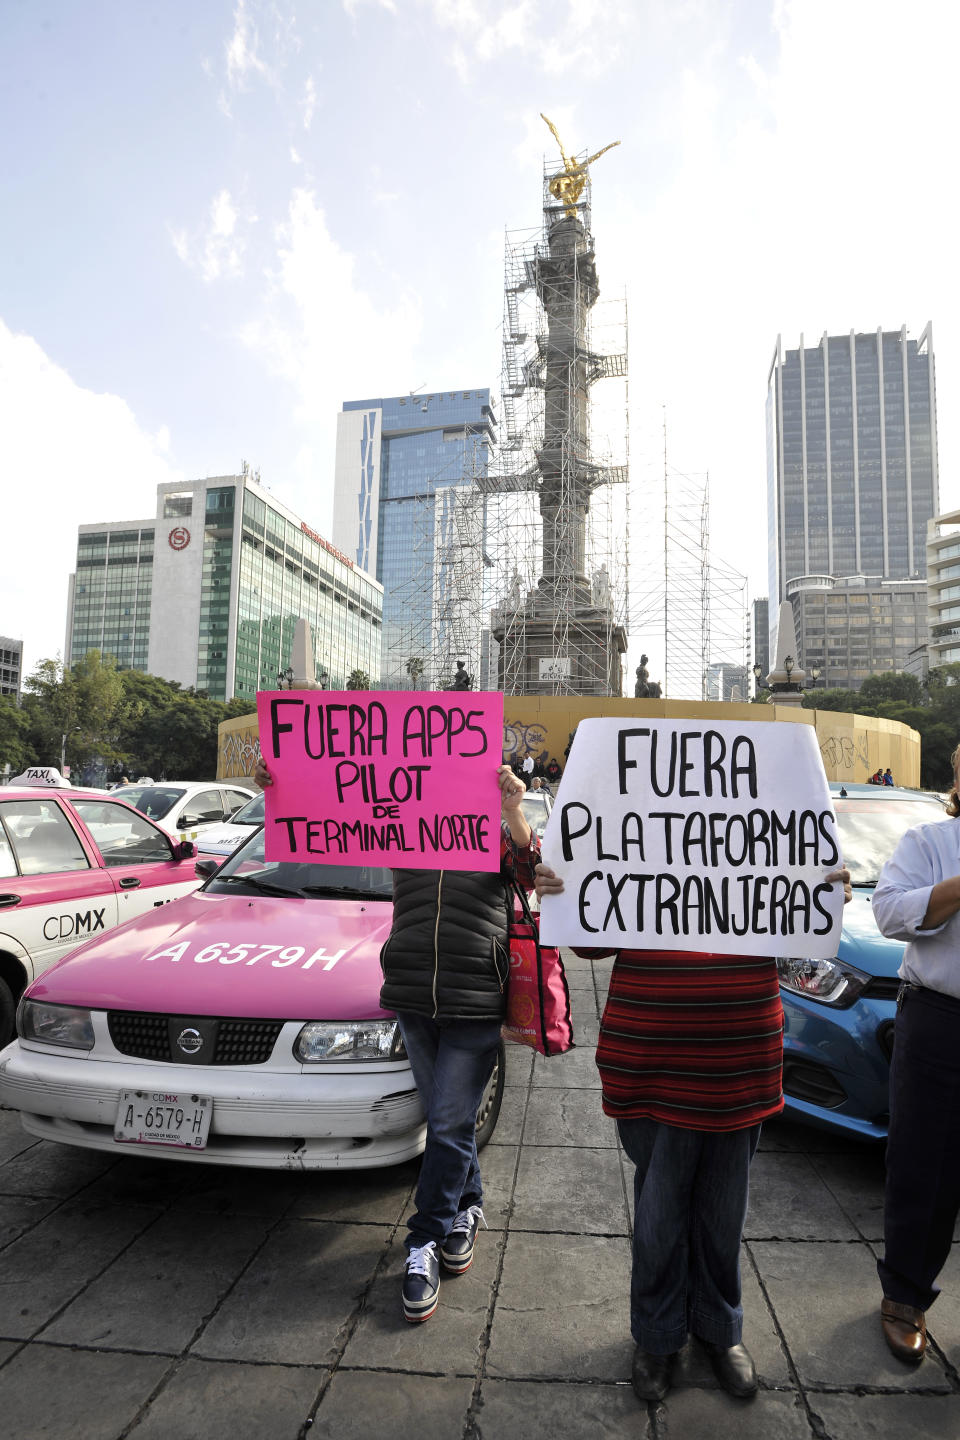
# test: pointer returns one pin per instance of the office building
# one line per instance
(407, 508)
(208, 591)
(943, 590)
(11, 666)
(726, 682)
(855, 627)
(761, 640)
(851, 477)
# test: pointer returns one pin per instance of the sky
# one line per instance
(220, 221)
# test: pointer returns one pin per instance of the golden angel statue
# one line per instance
(567, 186)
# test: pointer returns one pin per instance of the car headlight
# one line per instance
(830, 982)
(322, 1040)
(56, 1024)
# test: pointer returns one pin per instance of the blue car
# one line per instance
(838, 1014)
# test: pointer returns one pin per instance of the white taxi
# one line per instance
(74, 863)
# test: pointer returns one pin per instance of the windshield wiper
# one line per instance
(343, 892)
(264, 886)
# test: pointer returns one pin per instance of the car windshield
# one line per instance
(249, 814)
(154, 801)
(247, 866)
(536, 807)
(870, 829)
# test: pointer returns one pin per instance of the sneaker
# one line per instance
(456, 1252)
(421, 1282)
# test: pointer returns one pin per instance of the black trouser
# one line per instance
(922, 1195)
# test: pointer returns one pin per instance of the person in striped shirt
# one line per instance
(690, 1056)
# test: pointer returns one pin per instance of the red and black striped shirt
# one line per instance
(692, 1040)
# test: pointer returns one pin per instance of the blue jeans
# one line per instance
(690, 1203)
(451, 1061)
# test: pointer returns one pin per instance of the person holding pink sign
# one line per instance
(445, 967)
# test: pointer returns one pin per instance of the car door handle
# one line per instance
(129, 882)
(7, 900)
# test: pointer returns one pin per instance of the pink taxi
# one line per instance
(240, 1025)
(73, 864)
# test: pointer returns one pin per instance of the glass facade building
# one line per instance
(406, 507)
(851, 469)
(11, 666)
(208, 593)
(111, 593)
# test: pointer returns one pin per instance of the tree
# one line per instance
(358, 680)
(179, 740)
(50, 704)
(848, 700)
(415, 668)
(894, 685)
(15, 748)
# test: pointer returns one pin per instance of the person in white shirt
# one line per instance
(917, 899)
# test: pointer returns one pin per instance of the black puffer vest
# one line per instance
(447, 955)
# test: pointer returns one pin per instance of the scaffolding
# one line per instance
(557, 504)
(698, 603)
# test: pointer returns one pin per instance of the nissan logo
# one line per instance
(190, 1041)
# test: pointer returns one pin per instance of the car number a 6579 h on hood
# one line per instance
(216, 955)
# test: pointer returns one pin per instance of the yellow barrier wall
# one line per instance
(852, 746)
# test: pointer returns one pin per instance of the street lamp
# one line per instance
(285, 675)
(322, 678)
(63, 745)
(815, 673)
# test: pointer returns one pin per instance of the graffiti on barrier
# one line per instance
(239, 753)
(519, 738)
(838, 751)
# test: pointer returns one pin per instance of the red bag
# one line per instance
(538, 1000)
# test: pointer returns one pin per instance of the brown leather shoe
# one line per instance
(904, 1329)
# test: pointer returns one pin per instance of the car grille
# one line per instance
(226, 1042)
(804, 1080)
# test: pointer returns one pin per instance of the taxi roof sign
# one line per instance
(44, 777)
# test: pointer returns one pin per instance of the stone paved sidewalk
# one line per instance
(167, 1301)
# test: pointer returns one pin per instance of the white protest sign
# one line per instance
(691, 835)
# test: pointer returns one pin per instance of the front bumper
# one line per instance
(353, 1118)
(849, 1049)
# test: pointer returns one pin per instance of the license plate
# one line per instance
(147, 1117)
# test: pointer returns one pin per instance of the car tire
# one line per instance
(8, 1015)
(489, 1112)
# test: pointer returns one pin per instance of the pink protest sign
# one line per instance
(382, 777)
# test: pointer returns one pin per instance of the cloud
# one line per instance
(352, 6)
(77, 458)
(309, 103)
(318, 329)
(586, 35)
(215, 251)
(243, 59)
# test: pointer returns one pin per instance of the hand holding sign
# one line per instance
(673, 837)
(397, 778)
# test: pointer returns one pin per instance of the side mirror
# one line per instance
(206, 867)
(184, 850)
(187, 822)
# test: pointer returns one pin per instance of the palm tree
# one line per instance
(358, 680)
(415, 668)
